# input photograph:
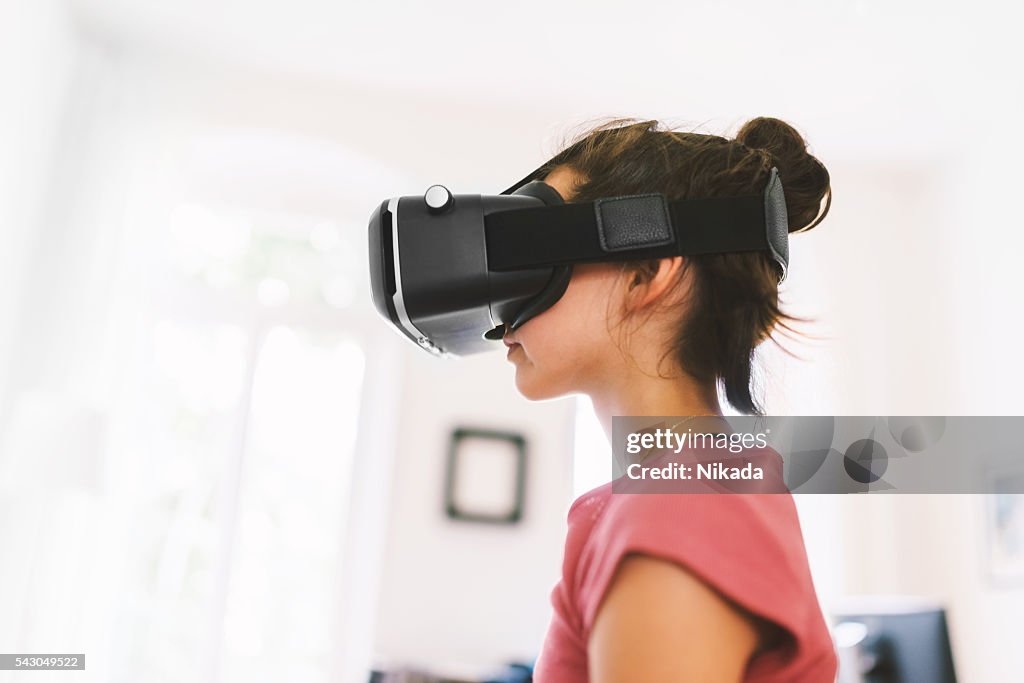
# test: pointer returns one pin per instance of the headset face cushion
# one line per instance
(542, 191)
(559, 281)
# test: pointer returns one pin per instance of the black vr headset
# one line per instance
(452, 271)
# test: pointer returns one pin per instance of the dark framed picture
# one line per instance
(485, 478)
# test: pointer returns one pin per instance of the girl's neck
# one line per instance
(679, 396)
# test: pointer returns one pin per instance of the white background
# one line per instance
(146, 147)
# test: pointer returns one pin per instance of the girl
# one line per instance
(663, 587)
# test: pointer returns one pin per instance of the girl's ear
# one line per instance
(652, 280)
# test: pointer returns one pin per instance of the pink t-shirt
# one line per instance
(747, 546)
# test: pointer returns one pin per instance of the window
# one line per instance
(236, 438)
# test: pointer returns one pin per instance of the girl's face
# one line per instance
(565, 348)
(571, 345)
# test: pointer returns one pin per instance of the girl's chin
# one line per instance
(532, 390)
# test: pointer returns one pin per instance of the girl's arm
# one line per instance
(658, 622)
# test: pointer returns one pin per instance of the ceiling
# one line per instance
(868, 78)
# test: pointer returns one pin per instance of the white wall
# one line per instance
(37, 50)
(458, 595)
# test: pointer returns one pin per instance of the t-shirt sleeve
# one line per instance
(748, 547)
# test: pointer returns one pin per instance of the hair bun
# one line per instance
(805, 180)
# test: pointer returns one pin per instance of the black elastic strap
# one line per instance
(569, 233)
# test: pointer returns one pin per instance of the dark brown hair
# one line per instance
(735, 297)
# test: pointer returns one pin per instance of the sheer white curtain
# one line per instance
(194, 371)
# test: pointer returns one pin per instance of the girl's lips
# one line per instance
(512, 345)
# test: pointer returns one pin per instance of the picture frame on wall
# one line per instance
(485, 477)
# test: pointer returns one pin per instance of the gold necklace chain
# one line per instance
(685, 419)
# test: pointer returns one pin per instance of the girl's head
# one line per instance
(696, 318)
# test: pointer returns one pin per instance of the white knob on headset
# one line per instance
(438, 198)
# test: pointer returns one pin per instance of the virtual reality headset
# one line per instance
(452, 271)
